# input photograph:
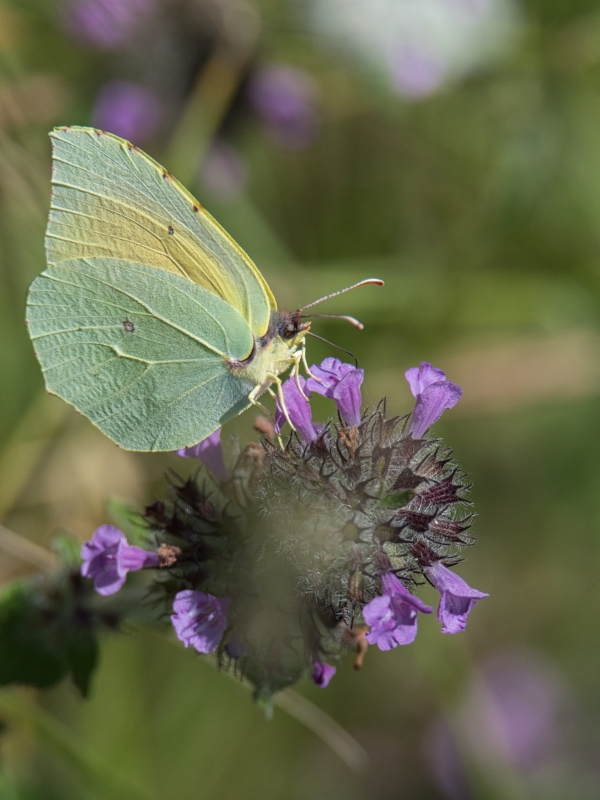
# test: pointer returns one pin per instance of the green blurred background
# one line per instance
(451, 147)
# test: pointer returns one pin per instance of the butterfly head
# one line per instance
(291, 328)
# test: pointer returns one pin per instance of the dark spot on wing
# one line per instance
(171, 230)
(196, 209)
(128, 326)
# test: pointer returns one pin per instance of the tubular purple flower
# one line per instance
(200, 619)
(393, 615)
(322, 673)
(298, 408)
(286, 99)
(128, 110)
(340, 382)
(434, 395)
(457, 600)
(210, 453)
(107, 558)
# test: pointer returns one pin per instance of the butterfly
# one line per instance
(150, 320)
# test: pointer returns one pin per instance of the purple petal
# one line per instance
(107, 558)
(210, 452)
(348, 398)
(329, 372)
(200, 619)
(431, 404)
(340, 382)
(392, 616)
(100, 559)
(457, 598)
(322, 673)
(103, 538)
(394, 587)
(298, 408)
(108, 580)
(131, 558)
(419, 378)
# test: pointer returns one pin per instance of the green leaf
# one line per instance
(30, 650)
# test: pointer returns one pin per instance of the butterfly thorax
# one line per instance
(274, 352)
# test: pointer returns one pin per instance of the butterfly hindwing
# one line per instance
(111, 200)
(140, 351)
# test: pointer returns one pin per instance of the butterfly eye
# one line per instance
(290, 329)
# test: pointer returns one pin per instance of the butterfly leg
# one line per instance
(253, 397)
(296, 359)
(306, 367)
(279, 439)
(277, 381)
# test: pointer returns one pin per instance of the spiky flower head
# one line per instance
(280, 559)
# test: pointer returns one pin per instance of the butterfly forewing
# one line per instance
(111, 200)
(140, 351)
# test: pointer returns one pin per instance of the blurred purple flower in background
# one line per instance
(416, 73)
(200, 619)
(435, 394)
(393, 615)
(517, 710)
(322, 673)
(441, 752)
(107, 558)
(515, 716)
(105, 24)
(298, 409)
(224, 172)
(340, 382)
(286, 99)
(128, 110)
(210, 452)
(457, 600)
(417, 46)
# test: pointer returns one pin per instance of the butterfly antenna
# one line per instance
(351, 320)
(375, 281)
(337, 347)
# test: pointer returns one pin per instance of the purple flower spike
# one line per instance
(200, 619)
(298, 408)
(128, 110)
(393, 615)
(322, 673)
(340, 382)
(457, 600)
(107, 558)
(434, 395)
(210, 453)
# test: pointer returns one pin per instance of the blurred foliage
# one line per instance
(479, 204)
